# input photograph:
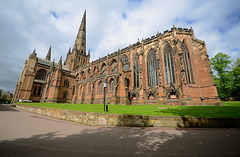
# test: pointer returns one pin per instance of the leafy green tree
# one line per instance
(223, 78)
(236, 79)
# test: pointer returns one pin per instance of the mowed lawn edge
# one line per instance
(228, 110)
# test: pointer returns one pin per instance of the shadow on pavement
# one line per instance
(7, 107)
(120, 141)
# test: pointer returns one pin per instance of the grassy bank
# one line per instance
(228, 110)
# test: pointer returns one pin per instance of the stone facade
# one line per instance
(170, 68)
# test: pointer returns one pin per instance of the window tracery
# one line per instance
(66, 83)
(104, 68)
(187, 64)
(169, 65)
(111, 85)
(136, 71)
(125, 59)
(152, 68)
(125, 63)
(41, 74)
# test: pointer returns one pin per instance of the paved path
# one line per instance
(27, 134)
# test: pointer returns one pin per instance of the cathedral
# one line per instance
(171, 68)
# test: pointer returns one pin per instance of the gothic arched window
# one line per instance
(89, 88)
(136, 70)
(39, 91)
(66, 83)
(111, 85)
(35, 90)
(187, 64)
(125, 62)
(100, 87)
(152, 68)
(41, 74)
(169, 64)
(114, 66)
(104, 68)
(125, 59)
(65, 95)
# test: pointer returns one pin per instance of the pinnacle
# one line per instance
(48, 57)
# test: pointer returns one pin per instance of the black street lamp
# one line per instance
(104, 85)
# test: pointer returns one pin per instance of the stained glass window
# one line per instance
(136, 71)
(187, 64)
(152, 68)
(41, 74)
(169, 64)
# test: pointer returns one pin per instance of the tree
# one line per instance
(236, 79)
(223, 80)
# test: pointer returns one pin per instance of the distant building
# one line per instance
(171, 68)
(9, 95)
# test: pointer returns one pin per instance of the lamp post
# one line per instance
(104, 91)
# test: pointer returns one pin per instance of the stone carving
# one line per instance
(150, 94)
(172, 92)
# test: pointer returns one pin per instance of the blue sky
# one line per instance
(29, 24)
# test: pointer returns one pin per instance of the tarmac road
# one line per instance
(27, 134)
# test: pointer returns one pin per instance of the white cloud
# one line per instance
(26, 25)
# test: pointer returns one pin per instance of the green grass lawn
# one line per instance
(228, 110)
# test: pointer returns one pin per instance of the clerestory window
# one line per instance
(41, 74)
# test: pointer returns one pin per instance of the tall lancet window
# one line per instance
(136, 70)
(169, 64)
(187, 64)
(152, 68)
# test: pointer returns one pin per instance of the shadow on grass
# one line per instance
(207, 116)
(204, 111)
(126, 142)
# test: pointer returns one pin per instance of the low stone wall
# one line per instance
(105, 119)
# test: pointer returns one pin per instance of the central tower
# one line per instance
(78, 57)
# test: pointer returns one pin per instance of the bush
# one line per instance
(5, 101)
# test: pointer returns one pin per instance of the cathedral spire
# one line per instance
(80, 42)
(48, 57)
